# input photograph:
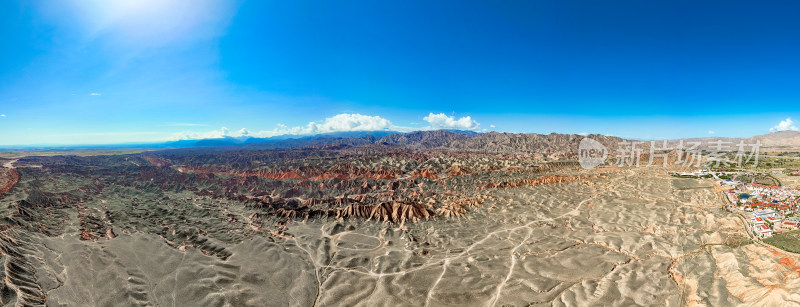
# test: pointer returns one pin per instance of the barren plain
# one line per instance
(372, 227)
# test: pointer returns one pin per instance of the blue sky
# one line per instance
(96, 72)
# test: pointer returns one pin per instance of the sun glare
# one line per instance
(153, 22)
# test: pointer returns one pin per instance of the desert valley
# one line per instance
(410, 219)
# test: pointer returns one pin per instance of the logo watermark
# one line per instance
(591, 153)
(716, 153)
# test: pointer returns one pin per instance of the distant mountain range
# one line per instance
(552, 145)
(417, 140)
(782, 140)
(278, 141)
(467, 140)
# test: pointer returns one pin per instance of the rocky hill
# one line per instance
(427, 139)
(553, 143)
(776, 141)
(780, 139)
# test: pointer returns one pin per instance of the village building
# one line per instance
(771, 208)
(763, 231)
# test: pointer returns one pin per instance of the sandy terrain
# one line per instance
(609, 237)
(793, 181)
(9, 164)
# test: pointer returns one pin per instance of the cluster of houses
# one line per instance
(765, 223)
(771, 209)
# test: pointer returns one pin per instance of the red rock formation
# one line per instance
(427, 173)
(458, 170)
(8, 178)
(328, 176)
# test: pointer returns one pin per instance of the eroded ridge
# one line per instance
(296, 227)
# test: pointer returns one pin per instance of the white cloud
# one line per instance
(349, 122)
(213, 134)
(492, 126)
(711, 132)
(95, 94)
(442, 121)
(338, 123)
(344, 122)
(2, 115)
(784, 125)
